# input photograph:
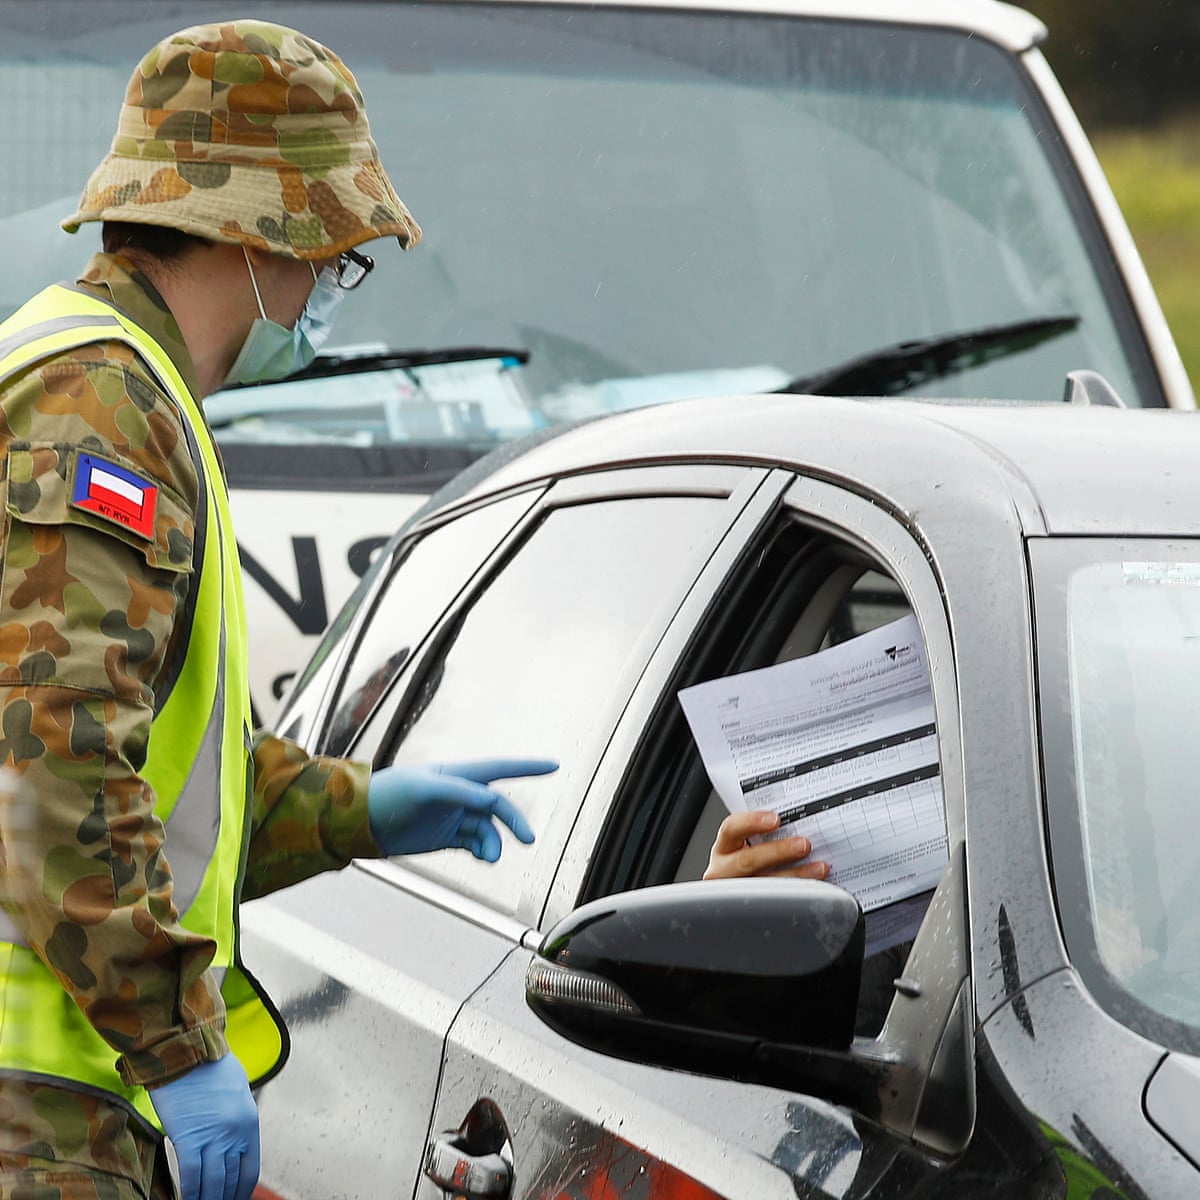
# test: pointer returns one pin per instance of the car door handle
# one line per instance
(462, 1174)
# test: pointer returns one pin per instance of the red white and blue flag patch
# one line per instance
(115, 493)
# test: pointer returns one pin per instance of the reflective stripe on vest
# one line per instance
(197, 756)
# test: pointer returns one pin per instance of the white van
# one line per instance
(623, 204)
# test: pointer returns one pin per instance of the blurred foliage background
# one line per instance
(1131, 68)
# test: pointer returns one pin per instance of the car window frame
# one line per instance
(881, 533)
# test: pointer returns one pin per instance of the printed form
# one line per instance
(842, 745)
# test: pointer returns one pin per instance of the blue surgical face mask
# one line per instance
(272, 351)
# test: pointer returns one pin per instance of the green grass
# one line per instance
(1155, 175)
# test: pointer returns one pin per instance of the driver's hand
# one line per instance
(732, 855)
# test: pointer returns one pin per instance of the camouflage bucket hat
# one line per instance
(252, 133)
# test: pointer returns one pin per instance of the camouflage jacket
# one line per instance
(86, 629)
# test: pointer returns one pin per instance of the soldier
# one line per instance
(135, 811)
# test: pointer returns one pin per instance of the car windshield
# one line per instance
(1120, 703)
(623, 206)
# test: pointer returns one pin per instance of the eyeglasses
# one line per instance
(352, 268)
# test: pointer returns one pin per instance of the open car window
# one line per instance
(801, 592)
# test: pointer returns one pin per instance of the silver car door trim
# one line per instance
(446, 898)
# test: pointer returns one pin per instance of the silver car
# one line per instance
(588, 1018)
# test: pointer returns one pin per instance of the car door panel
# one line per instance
(586, 1125)
(358, 968)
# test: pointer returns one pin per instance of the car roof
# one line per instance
(1005, 24)
(1057, 469)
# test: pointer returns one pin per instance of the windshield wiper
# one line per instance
(895, 369)
(353, 362)
(325, 365)
(222, 410)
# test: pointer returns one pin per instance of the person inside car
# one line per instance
(136, 812)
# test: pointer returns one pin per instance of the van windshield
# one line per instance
(641, 204)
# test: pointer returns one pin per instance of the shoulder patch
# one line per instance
(116, 493)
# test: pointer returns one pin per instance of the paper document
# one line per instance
(842, 745)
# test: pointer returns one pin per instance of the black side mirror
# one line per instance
(698, 976)
(757, 980)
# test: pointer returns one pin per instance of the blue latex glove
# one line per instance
(210, 1117)
(415, 809)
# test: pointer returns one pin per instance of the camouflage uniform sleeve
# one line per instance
(309, 815)
(87, 610)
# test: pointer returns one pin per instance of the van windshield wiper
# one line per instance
(896, 369)
(222, 409)
(356, 362)
(351, 363)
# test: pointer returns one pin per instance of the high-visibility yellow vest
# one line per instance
(197, 759)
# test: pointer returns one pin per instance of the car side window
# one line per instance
(538, 661)
(800, 592)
